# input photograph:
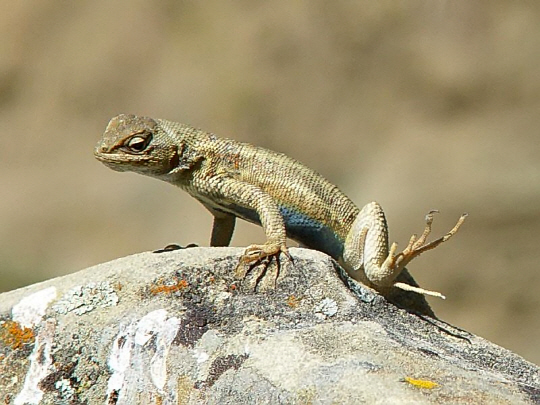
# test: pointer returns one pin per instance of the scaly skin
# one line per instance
(234, 179)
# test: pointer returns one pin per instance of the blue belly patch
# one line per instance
(299, 227)
(311, 233)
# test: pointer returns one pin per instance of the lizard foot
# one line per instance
(255, 255)
(415, 248)
(418, 246)
(173, 246)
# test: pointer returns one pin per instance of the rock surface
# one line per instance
(178, 327)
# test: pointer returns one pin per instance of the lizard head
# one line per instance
(137, 144)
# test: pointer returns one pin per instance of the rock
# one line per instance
(178, 327)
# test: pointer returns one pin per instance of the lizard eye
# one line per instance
(138, 143)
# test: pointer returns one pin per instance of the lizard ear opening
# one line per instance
(407, 287)
(182, 159)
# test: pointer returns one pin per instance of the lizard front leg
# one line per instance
(239, 195)
(366, 250)
(222, 228)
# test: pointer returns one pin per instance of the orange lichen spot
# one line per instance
(161, 287)
(293, 301)
(232, 287)
(12, 334)
(425, 384)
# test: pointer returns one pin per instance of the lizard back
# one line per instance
(316, 213)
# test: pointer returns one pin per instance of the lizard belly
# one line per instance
(300, 227)
(311, 233)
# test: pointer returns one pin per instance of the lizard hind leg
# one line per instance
(366, 249)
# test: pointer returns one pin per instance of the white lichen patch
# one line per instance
(30, 310)
(148, 325)
(139, 351)
(119, 361)
(65, 389)
(200, 356)
(156, 324)
(83, 299)
(158, 364)
(40, 365)
(326, 308)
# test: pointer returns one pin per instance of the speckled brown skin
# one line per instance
(234, 179)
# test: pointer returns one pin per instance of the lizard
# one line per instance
(238, 180)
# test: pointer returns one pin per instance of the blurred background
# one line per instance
(418, 105)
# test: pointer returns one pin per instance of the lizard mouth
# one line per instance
(124, 162)
(119, 163)
(110, 163)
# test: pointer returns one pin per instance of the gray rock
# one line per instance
(179, 327)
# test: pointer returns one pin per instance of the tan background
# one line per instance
(418, 104)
